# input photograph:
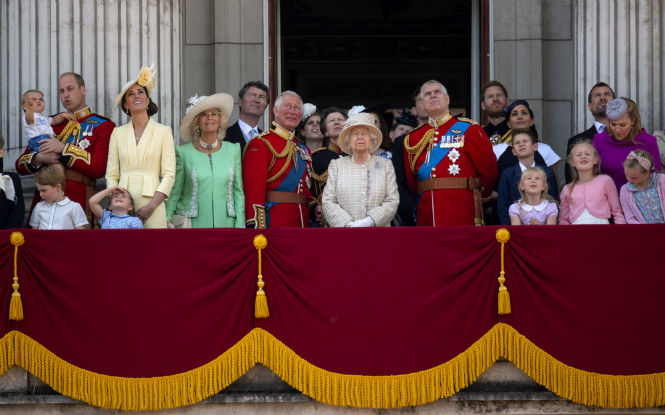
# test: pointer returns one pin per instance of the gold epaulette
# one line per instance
(319, 150)
(256, 136)
(469, 120)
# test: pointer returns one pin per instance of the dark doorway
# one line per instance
(346, 52)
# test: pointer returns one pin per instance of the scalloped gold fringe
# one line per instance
(331, 388)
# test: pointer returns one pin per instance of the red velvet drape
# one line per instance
(354, 301)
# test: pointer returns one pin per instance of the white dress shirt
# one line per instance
(247, 130)
(599, 127)
(64, 214)
(523, 167)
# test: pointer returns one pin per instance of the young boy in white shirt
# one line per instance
(55, 211)
(37, 127)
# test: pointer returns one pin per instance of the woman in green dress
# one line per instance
(207, 192)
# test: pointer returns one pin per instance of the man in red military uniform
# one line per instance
(276, 171)
(449, 164)
(82, 146)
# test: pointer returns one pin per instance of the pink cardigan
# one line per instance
(599, 197)
(630, 209)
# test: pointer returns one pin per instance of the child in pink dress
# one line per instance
(591, 197)
(536, 207)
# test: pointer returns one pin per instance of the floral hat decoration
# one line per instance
(147, 78)
(307, 111)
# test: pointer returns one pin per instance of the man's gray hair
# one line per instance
(432, 81)
(280, 98)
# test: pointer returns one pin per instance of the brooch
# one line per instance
(377, 165)
(453, 169)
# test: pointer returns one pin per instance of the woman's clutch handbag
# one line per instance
(180, 222)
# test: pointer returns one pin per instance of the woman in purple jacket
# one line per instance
(623, 134)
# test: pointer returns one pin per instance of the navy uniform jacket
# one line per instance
(509, 193)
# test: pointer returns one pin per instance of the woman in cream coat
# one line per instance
(361, 190)
(140, 151)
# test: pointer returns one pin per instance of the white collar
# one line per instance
(538, 208)
(63, 202)
(246, 128)
(599, 126)
(523, 167)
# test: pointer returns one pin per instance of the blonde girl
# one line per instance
(591, 198)
(642, 197)
(536, 207)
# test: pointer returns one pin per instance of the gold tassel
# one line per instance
(16, 305)
(503, 236)
(261, 303)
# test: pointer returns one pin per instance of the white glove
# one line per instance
(362, 223)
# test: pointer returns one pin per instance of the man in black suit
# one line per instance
(599, 96)
(407, 198)
(253, 99)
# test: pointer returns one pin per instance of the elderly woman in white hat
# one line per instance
(141, 151)
(208, 187)
(361, 190)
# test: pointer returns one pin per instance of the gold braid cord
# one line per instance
(417, 150)
(290, 149)
(72, 127)
(400, 390)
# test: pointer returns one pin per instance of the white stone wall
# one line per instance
(621, 42)
(223, 47)
(106, 41)
(534, 59)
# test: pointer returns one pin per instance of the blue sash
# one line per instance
(290, 182)
(436, 156)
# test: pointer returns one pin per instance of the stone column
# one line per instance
(621, 42)
(533, 58)
(223, 47)
(106, 41)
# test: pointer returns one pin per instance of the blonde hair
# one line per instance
(634, 164)
(544, 194)
(634, 115)
(573, 170)
(51, 176)
(221, 132)
(24, 98)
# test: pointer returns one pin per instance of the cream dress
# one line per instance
(137, 168)
(354, 192)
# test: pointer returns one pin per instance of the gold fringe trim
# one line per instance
(379, 392)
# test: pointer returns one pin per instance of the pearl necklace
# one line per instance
(208, 146)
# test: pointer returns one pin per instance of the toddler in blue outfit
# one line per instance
(120, 214)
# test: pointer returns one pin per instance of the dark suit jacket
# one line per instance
(234, 135)
(509, 193)
(12, 212)
(407, 199)
(587, 135)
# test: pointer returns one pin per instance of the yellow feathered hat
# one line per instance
(147, 78)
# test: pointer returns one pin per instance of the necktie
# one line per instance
(601, 129)
(253, 133)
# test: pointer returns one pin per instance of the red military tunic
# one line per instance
(84, 157)
(266, 169)
(475, 159)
